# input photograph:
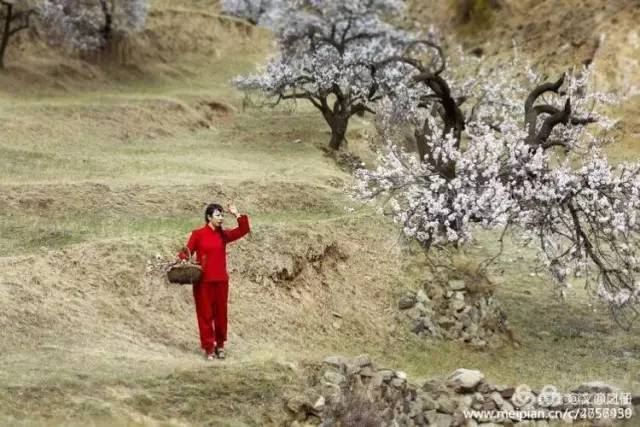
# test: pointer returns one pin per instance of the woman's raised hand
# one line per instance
(232, 208)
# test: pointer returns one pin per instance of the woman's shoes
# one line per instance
(220, 353)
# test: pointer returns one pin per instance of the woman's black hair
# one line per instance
(209, 211)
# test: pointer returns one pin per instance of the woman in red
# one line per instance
(211, 292)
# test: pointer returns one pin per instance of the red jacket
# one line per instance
(210, 249)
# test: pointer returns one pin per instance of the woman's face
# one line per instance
(216, 218)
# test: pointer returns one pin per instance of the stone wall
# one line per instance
(354, 392)
(455, 310)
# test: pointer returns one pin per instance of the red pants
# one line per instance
(211, 310)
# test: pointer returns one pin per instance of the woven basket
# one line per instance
(185, 273)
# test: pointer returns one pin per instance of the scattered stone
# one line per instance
(507, 392)
(457, 305)
(451, 310)
(407, 301)
(335, 361)
(595, 387)
(457, 285)
(367, 371)
(439, 420)
(318, 405)
(446, 404)
(421, 296)
(334, 377)
(465, 379)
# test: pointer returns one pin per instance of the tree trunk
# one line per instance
(338, 126)
(6, 32)
(107, 29)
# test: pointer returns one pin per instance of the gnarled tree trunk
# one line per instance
(338, 124)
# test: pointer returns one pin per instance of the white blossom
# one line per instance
(86, 25)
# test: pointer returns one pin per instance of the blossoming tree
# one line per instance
(515, 158)
(264, 13)
(89, 25)
(326, 49)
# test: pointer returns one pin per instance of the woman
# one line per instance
(211, 292)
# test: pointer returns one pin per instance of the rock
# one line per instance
(361, 360)
(357, 363)
(472, 329)
(465, 401)
(463, 315)
(465, 379)
(421, 296)
(478, 342)
(407, 301)
(507, 407)
(428, 403)
(428, 325)
(434, 291)
(456, 285)
(435, 387)
(507, 392)
(446, 404)
(318, 405)
(457, 305)
(367, 371)
(397, 382)
(420, 308)
(308, 402)
(335, 361)
(474, 314)
(331, 392)
(489, 405)
(595, 387)
(296, 403)
(334, 378)
(497, 398)
(446, 322)
(500, 387)
(419, 325)
(401, 374)
(438, 420)
(382, 376)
